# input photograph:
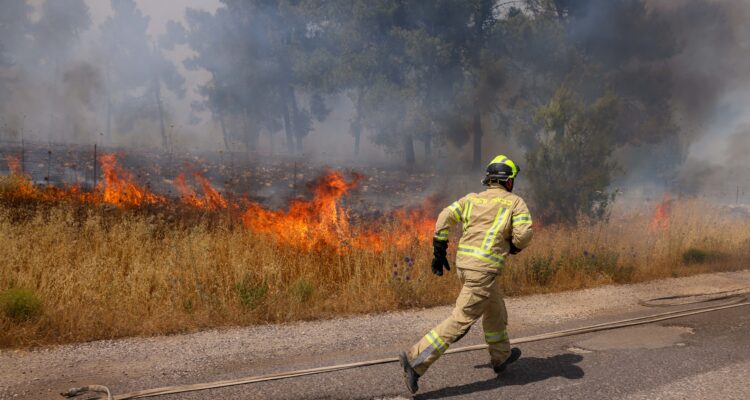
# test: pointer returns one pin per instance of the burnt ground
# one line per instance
(271, 181)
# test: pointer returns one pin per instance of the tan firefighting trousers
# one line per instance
(481, 296)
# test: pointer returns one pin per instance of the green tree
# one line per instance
(571, 167)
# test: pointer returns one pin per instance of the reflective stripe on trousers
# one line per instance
(436, 344)
(496, 337)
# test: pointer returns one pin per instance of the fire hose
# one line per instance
(728, 299)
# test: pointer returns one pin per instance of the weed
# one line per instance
(20, 305)
(541, 269)
(301, 290)
(695, 255)
(187, 305)
(251, 292)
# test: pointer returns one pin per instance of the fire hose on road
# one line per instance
(727, 299)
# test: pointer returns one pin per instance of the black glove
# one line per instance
(514, 249)
(440, 259)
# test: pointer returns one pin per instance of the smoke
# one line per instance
(683, 64)
(116, 72)
(711, 76)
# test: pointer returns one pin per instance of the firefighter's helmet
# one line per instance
(501, 168)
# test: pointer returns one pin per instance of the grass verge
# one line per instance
(90, 273)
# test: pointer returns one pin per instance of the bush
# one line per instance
(20, 305)
(541, 269)
(301, 290)
(251, 292)
(695, 255)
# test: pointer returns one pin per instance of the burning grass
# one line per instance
(104, 267)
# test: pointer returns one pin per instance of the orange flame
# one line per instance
(119, 188)
(308, 223)
(211, 198)
(660, 220)
(14, 164)
(323, 222)
(320, 223)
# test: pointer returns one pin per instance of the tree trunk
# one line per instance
(357, 134)
(108, 129)
(476, 164)
(224, 133)
(292, 98)
(162, 129)
(299, 144)
(272, 142)
(409, 157)
(55, 97)
(288, 129)
(356, 126)
(251, 131)
(484, 14)
(108, 133)
(428, 145)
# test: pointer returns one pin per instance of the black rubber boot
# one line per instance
(410, 375)
(515, 354)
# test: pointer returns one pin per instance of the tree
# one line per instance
(398, 65)
(262, 58)
(55, 34)
(15, 24)
(571, 167)
(136, 86)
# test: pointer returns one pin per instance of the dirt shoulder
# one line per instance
(139, 363)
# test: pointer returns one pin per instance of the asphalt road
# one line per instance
(704, 356)
(698, 357)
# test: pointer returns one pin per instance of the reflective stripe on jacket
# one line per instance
(491, 221)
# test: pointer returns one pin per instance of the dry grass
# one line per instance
(102, 272)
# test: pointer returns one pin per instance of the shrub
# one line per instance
(301, 290)
(251, 292)
(20, 305)
(695, 255)
(541, 269)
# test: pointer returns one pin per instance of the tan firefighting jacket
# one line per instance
(491, 221)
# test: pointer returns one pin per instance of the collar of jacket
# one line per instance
(496, 187)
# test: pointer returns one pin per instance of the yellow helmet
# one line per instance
(501, 168)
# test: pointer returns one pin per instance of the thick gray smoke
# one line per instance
(158, 74)
(694, 55)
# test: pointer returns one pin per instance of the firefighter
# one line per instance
(495, 223)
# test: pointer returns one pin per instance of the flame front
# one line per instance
(322, 222)
(660, 220)
(308, 223)
(211, 198)
(119, 187)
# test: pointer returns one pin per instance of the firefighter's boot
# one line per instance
(410, 375)
(515, 354)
